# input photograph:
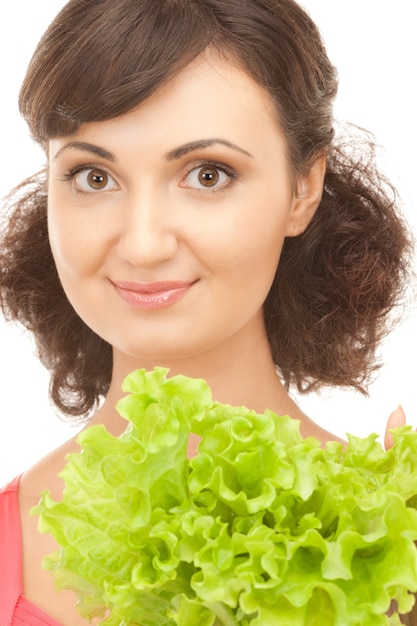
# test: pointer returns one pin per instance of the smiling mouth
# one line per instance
(152, 296)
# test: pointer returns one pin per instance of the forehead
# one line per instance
(209, 98)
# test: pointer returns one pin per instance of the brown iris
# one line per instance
(208, 176)
(97, 179)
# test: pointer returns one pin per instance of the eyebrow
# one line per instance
(87, 147)
(175, 153)
(181, 151)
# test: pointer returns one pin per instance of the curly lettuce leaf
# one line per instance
(260, 527)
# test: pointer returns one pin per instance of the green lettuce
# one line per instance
(261, 527)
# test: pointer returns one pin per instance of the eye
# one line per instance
(93, 179)
(208, 176)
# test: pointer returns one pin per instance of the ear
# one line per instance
(307, 196)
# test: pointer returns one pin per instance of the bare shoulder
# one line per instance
(44, 474)
(38, 584)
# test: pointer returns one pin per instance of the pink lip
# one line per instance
(151, 296)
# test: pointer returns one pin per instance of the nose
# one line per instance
(147, 236)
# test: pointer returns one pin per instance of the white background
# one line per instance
(373, 44)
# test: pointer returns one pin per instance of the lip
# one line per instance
(151, 296)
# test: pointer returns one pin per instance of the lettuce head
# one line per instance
(261, 527)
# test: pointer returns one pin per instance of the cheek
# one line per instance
(248, 252)
(259, 233)
(77, 263)
(68, 251)
(61, 239)
(260, 262)
(73, 239)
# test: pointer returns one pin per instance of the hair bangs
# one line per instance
(120, 53)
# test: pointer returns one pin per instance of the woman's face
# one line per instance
(167, 223)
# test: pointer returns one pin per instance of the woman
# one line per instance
(197, 214)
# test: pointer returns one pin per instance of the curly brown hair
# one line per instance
(335, 284)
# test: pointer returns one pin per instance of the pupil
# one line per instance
(208, 176)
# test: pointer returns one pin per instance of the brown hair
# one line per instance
(335, 284)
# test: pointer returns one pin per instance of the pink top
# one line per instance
(15, 609)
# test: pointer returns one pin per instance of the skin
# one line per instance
(130, 206)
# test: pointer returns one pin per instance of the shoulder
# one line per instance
(45, 475)
(38, 585)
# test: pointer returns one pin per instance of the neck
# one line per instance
(233, 374)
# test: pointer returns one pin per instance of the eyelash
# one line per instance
(221, 167)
